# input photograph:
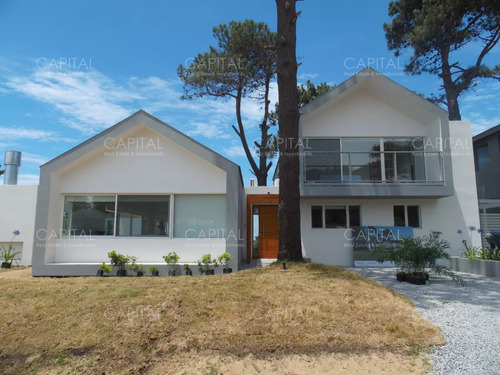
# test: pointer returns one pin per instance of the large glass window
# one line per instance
(89, 215)
(361, 159)
(402, 163)
(322, 159)
(143, 215)
(370, 160)
(200, 216)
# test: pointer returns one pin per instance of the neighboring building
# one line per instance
(487, 163)
(17, 205)
(372, 154)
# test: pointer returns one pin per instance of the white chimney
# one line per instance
(253, 182)
(12, 163)
(277, 182)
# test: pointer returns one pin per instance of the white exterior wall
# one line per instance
(445, 215)
(106, 170)
(18, 204)
(360, 114)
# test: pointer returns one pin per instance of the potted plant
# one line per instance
(138, 269)
(205, 264)
(103, 268)
(120, 261)
(416, 256)
(9, 255)
(154, 271)
(223, 259)
(187, 269)
(171, 259)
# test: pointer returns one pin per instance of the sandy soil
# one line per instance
(338, 363)
(15, 273)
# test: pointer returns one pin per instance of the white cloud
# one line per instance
(15, 133)
(234, 151)
(86, 98)
(307, 76)
(28, 179)
(90, 102)
(211, 131)
(27, 157)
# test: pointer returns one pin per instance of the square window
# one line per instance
(89, 215)
(335, 217)
(143, 215)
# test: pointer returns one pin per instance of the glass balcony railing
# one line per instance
(332, 167)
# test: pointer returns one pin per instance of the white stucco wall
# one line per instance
(162, 168)
(18, 205)
(445, 215)
(359, 114)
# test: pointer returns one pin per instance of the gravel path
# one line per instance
(468, 316)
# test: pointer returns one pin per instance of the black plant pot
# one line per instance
(401, 276)
(210, 272)
(416, 280)
(100, 273)
(121, 273)
(6, 265)
(189, 273)
(171, 273)
(227, 270)
(140, 273)
(155, 273)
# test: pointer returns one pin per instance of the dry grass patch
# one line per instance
(135, 324)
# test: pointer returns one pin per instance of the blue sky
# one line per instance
(70, 69)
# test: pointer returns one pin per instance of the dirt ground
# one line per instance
(338, 363)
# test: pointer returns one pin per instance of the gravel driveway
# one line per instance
(469, 317)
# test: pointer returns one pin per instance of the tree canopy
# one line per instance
(435, 29)
(242, 65)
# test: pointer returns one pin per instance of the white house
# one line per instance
(141, 188)
(377, 154)
(372, 154)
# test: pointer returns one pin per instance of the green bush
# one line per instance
(416, 256)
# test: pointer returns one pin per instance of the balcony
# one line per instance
(374, 173)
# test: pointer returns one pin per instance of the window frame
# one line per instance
(323, 215)
(381, 161)
(115, 196)
(484, 146)
(405, 207)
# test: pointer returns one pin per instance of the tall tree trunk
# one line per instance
(289, 172)
(264, 166)
(449, 87)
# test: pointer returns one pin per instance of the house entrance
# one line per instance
(262, 227)
(265, 231)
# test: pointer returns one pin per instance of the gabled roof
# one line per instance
(486, 133)
(382, 88)
(142, 117)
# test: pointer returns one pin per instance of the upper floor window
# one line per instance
(371, 160)
(482, 158)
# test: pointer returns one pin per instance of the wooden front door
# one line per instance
(268, 231)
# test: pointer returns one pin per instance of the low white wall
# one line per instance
(18, 205)
(147, 250)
